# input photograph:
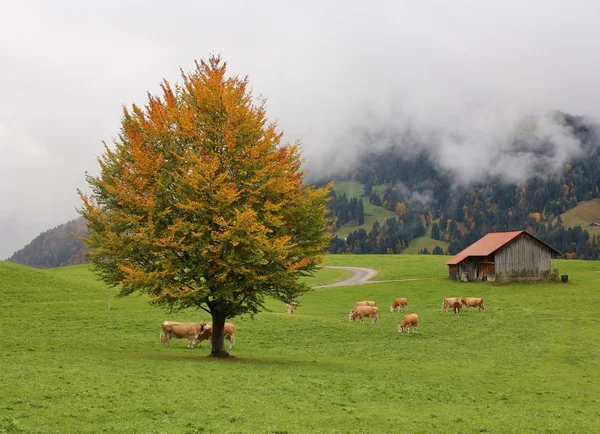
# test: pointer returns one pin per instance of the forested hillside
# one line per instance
(55, 248)
(421, 195)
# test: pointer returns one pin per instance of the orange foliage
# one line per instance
(400, 208)
(199, 204)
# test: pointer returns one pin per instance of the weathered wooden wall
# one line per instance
(525, 256)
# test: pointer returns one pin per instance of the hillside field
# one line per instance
(582, 215)
(425, 242)
(372, 213)
(75, 358)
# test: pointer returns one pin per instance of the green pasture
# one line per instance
(70, 362)
(349, 188)
(582, 215)
(372, 213)
(420, 243)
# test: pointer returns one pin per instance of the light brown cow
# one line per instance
(290, 308)
(180, 330)
(472, 302)
(449, 302)
(457, 307)
(205, 333)
(410, 320)
(365, 303)
(399, 303)
(364, 311)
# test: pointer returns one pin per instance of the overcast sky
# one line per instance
(462, 74)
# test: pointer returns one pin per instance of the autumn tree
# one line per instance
(199, 205)
(400, 209)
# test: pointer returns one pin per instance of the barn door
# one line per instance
(485, 270)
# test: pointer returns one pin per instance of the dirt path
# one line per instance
(360, 276)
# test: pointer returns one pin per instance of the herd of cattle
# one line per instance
(369, 309)
(196, 332)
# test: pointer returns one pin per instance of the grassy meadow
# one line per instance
(425, 242)
(582, 215)
(372, 213)
(75, 358)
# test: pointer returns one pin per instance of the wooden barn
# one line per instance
(513, 255)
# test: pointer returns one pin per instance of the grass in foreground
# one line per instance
(528, 363)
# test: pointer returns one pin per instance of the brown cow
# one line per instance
(472, 302)
(410, 320)
(180, 330)
(365, 303)
(399, 303)
(364, 311)
(290, 308)
(457, 306)
(449, 302)
(205, 333)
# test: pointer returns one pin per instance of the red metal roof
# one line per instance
(485, 246)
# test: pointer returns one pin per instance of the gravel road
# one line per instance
(360, 276)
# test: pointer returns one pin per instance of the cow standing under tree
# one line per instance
(206, 332)
(180, 330)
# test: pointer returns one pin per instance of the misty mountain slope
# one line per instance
(393, 194)
(558, 167)
(55, 247)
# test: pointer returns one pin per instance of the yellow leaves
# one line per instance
(535, 216)
(199, 197)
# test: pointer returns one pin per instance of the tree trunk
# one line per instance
(218, 337)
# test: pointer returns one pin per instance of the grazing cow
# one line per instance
(290, 308)
(205, 333)
(410, 320)
(449, 302)
(399, 303)
(457, 306)
(180, 330)
(365, 303)
(472, 302)
(364, 311)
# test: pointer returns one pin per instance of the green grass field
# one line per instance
(530, 362)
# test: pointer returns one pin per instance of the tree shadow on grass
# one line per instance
(205, 358)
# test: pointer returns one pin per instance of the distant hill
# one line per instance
(56, 247)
